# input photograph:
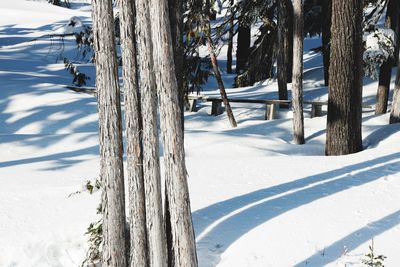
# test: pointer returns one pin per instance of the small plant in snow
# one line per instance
(373, 260)
(95, 230)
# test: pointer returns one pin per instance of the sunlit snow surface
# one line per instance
(257, 199)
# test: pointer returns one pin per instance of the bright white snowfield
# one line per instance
(257, 199)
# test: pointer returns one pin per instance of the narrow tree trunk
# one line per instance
(288, 40)
(326, 36)
(151, 165)
(176, 18)
(385, 74)
(297, 86)
(230, 41)
(217, 74)
(281, 59)
(345, 79)
(183, 242)
(137, 213)
(111, 149)
(243, 47)
(395, 113)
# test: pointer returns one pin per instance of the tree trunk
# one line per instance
(111, 149)
(288, 39)
(183, 242)
(137, 213)
(243, 47)
(385, 75)
(281, 55)
(230, 40)
(176, 18)
(345, 79)
(151, 165)
(326, 36)
(217, 74)
(297, 86)
(395, 113)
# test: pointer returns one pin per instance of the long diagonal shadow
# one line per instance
(351, 241)
(215, 240)
(203, 218)
(61, 159)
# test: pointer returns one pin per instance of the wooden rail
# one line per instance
(270, 105)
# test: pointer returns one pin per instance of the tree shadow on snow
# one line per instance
(352, 241)
(218, 226)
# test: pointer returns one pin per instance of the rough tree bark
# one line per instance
(217, 74)
(326, 36)
(111, 149)
(345, 79)
(183, 242)
(176, 18)
(297, 86)
(230, 41)
(385, 74)
(137, 213)
(151, 165)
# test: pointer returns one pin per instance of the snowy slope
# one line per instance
(257, 199)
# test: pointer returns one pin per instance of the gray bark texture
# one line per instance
(151, 163)
(183, 242)
(111, 149)
(385, 74)
(297, 85)
(345, 79)
(137, 208)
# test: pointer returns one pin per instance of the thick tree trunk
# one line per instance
(230, 41)
(183, 242)
(345, 80)
(176, 18)
(137, 213)
(111, 149)
(151, 165)
(217, 74)
(385, 75)
(297, 86)
(282, 60)
(326, 36)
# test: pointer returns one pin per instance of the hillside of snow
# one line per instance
(257, 199)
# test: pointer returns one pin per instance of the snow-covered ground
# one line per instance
(257, 199)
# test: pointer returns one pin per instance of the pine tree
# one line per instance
(395, 112)
(326, 36)
(111, 172)
(385, 74)
(343, 134)
(283, 59)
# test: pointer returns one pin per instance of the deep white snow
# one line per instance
(257, 199)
